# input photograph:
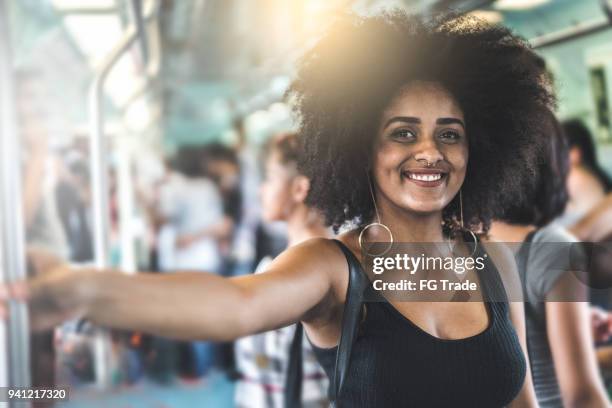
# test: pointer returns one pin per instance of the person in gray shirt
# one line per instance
(559, 336)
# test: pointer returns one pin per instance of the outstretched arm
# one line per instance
(572, 346)
(188, 305)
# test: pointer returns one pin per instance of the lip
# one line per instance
(436, 177)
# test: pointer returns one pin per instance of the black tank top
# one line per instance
(394, 363)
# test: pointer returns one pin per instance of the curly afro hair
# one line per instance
(547, 197)
(346, 80)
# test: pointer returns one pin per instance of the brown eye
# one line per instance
(449, 136)
(403, 134)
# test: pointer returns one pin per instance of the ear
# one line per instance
(299, 188)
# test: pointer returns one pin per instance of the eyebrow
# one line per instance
(412, 119)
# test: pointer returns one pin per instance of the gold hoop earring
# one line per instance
(463, 229)
(374, 224)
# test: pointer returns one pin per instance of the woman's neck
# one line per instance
(304, 224)
(504, 232)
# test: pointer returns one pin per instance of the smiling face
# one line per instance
(421, 152)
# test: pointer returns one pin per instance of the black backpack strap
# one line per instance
(357, 284)
(351, 318)
(295, 373)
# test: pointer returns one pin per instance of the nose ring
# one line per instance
(427, 164)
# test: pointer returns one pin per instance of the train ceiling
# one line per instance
(219, 58)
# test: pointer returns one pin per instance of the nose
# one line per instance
(428, 151)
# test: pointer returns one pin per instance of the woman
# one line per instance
(391, 108)
(588, 183)
(559, 338)
(263, 359)
(181, 210)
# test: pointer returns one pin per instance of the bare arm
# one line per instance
(506, 265)
(572, 347)
(596, 225)
(186, 305)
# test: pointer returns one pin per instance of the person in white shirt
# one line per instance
(262, 359)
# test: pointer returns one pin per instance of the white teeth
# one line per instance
(425, 177)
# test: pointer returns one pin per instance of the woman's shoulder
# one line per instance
(331, 246)
(322, 253)
(501, 255)
(503, 259)
(553, 232)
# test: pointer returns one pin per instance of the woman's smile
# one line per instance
(425, 177)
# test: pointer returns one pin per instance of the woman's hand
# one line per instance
(55, 293)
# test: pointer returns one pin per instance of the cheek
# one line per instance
(386, 161)
(458, 158)
(274, 198)
(388, 154)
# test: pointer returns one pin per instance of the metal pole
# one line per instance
(99, 176)
(12, 224)
(140, 28)
(99, 165)
(578, 30)
(572, 33)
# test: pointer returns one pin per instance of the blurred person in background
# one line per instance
(559, 333)
(151, 200)
(588, 183)
(589, 212)
(73, 197)
(162, 354)
(42, 222)
(263, 359)
(191, 204)
(220, 164)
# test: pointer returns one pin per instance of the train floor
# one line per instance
(215, 391)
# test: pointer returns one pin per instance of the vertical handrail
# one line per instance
(99, 171)
(12, 252)
(140, 30)
(99, 163)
